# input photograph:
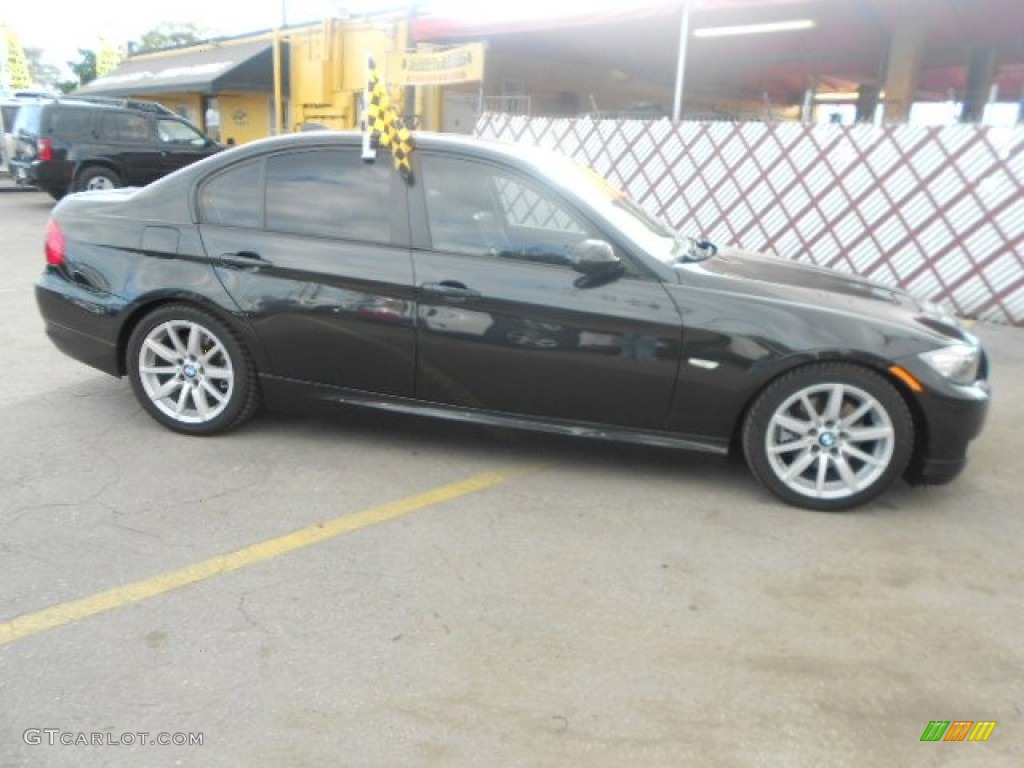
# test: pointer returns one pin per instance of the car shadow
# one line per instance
(417, 433)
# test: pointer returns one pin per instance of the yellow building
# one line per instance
(231, 88)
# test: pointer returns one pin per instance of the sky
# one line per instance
(67, 25)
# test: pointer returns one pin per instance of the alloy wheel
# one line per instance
(186, 372)
(830, 441)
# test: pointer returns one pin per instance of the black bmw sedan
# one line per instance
(504, 286)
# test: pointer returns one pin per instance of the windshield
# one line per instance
(653, 235)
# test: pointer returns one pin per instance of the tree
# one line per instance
(84, 68)
(15, 69)
(168, 35)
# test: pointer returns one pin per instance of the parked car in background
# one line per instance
(509, 287)
(73, 144)
(10, 103)
(8, 111)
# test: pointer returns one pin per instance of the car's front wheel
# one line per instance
(828, 436)
(98, 178)
(190, 372)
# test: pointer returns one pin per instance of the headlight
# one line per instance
(958, 362)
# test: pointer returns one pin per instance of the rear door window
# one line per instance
(329, 193)
(125, 127)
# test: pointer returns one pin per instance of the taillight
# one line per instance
(54, 244)
(44, 149)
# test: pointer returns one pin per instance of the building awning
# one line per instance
(846, 47)
(210, 69)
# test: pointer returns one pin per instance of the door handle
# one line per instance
(452, 290)
(244, 259)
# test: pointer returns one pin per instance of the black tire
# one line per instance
(195, 376)
(829, 436)
(98, 177)
(57, 193)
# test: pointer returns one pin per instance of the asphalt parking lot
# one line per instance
(359, 589)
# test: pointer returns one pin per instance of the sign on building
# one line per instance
(463, 64)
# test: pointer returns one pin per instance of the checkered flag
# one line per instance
(383, 125)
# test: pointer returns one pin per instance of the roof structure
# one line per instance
(210, 68)
(848, 43)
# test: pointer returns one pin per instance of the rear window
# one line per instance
(70, 121)
(27, 120)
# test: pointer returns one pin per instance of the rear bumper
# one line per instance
(47, 175)
(82, 324)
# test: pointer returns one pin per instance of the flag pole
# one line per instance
(369, 154)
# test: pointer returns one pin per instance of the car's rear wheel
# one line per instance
(57, 193)
(97, 177)
(190, 372)
(828, 436)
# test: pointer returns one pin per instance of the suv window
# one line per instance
(174, 132)
(70, 121)
(234, 198)
(329, 193)
(124, 126)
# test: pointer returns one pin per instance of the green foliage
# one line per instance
(167, 35)
(85, 67)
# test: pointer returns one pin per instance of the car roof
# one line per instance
(100, 102)
(424, 140)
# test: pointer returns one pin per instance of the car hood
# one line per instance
(772, 277)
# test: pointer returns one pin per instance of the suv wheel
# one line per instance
(98, 178)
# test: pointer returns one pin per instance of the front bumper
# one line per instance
(950, 417)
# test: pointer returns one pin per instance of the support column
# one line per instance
(807, 107)
(867, 102)
(981, 73)
(278, 126)
(684, 36)
(903, 69)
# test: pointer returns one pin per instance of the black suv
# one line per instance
(77, 143)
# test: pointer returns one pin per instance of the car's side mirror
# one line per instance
(596, 259)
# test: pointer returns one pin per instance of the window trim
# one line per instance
(399, 199)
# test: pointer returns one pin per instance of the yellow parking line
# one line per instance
(76, 610)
